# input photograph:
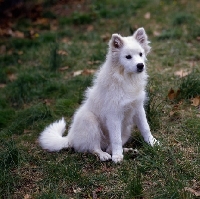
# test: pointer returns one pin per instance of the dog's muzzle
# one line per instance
(140, 67)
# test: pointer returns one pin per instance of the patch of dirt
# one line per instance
(30, 177)
(10, 15)
(15, 10)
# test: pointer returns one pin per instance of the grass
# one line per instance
(37, 87)
(189, 85)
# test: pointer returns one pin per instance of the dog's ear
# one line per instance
(141, 36)
(116, 41)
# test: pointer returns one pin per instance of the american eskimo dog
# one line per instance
(112, 106)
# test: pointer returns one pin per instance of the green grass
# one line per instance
(41, 92)
(189, 86)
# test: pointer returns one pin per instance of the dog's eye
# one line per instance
(128, 57)
(140, 54)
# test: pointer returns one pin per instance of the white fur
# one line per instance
(112, 106)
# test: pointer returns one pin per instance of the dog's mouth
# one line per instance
(139, 70)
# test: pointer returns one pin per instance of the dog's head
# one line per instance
(130, 52)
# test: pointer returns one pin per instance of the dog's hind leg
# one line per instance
(85, 134)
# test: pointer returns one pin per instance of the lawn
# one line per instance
(48, 56)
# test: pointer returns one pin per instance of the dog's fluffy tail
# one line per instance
(51, 138)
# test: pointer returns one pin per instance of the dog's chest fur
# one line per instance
(116, 91)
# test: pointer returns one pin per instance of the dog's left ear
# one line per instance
(141, 36)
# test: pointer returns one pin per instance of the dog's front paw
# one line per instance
(104, 156)
(117, 158)
(153, 142)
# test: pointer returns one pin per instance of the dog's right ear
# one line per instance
(141, 36)
(116, 41)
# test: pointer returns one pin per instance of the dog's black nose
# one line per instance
(140, 67)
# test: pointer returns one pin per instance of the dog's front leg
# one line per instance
(114, 128)
(143, 126)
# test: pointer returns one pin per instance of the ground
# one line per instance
(49, 51)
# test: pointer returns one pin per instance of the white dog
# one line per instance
(112, 106)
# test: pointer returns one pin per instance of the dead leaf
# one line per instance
(62, 52)
(182, 73)
(77, 73)
(54, 25)
(147, 15)
(174, 141)
(2, 85)
(10, 52)
(65, 40)
(90, 28)
(6, 32)
(48, 102)
(156, 33)
(27, 196)
(84, 72)
(94, 62)
(2, 49)
(63, 68)
(88, 71)
(195, 101)
(195, 192)
(18, 34)
(173, 94)
(20, 52)
(171, 113)
(41, 21)
(10, 32)
(105, 37)
(27, 131)
(12, 77)
(78, 190)
(32, 32)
